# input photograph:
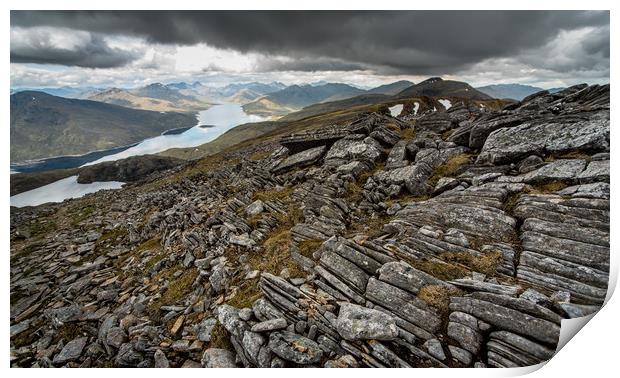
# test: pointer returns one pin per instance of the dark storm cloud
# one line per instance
(307, 64)
(37, 46)
(418, 42)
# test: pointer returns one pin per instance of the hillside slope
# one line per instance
(296, 97)
(43, 125)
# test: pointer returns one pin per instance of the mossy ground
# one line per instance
(247, 293)
(177, 289)
(307, 247)
(220, 338)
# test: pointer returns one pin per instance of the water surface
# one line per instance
(59, 191)
(223, 118)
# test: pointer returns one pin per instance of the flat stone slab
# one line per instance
(302, 159)
(362, 323)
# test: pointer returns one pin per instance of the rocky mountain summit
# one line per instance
(446, 238)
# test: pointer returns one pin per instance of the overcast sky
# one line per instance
(128, 49)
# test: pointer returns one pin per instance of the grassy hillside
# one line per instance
(43, 125)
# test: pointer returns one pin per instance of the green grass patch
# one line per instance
(220, 338)
(177, 289)
(247, 293)
(275, 255)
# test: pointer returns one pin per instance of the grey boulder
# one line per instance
(360, 323)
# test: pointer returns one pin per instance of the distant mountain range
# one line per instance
(162, 103)
(296, 97)
(426, 92)
(43, 125)
(513, 91)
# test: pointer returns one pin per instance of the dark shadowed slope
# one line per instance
(43, 125)
(436, 86)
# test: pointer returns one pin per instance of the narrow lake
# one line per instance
(59, 191)
(218, 119)
(211, 123)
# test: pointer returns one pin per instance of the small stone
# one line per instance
(246, 314)
(255, 208)
(445, 184)
(270, 325)
(393, 209)
(252, 274)
(180, 345)
(160, 359)
(243, 240)
(434, 348)
(71, 352)
(534, 296)
(218, 358)
(285, 273)
(205, 328)
(116, 337)
(178, 324)
(191, 364)
(298, 281)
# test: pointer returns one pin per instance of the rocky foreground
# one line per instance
(440, 239)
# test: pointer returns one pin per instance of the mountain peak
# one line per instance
(431, 80)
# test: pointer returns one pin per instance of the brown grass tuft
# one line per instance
(275, 255)
(439, 269)
(438, 297)
(450, 168)
(407, 134)
(247, 293)
(220, 338)
(486, 263)
(273, 194)
(549, 187)
(307, 247)
(177, 289)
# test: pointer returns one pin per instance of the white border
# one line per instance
(592, 352)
